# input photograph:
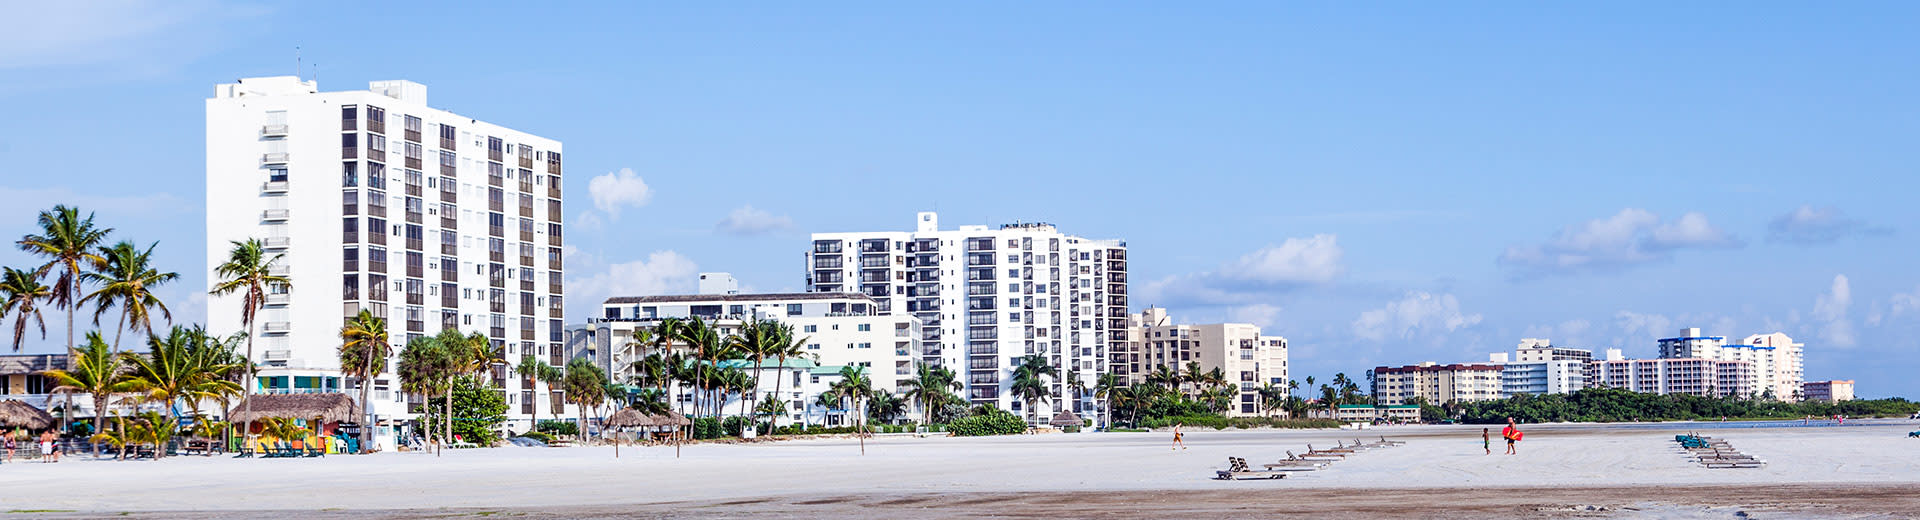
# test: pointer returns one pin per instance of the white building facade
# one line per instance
(1778, 369)
(987, 296)
(377, 201)
(838, 329)
(1538, 367)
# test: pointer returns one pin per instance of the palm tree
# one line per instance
(650, 401)
(785, 346)
(1340, 383)
(178, 367)
(23, 293)
(426, 369)
(854, 385)
(826, 401)
(127, 281)
(248, 271)
(1164, 376)
(96, 371)
(586, 386)
(706, 341)
(364, 349)
(1104, 389)
(1329, 398)
(1077, 385)
(468, 354)
(931, 386)
(757, 341)
(1029, 383)
(772, 406)
(68, 242)
(887, 407)
(1194, 375)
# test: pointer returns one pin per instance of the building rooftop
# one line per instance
(683, 298)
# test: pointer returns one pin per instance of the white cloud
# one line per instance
(663, 272)
(82, 33)
(1293, 264)
(587, 221)
(1831, 309)
(619, 189)
(1810, 226)
(1901, 304)
(1261, 314)
(1418, 312)
(1643, 327)
(1311, 260)
(1631, 237)
(747, 220)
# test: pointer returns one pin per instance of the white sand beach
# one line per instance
(788, 478)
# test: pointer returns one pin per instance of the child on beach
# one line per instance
(1486, 442)
(1177, 443)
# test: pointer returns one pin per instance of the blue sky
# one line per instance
(1388, 184)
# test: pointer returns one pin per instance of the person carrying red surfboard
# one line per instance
(1512, 434)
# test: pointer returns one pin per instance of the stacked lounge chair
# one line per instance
(1716, 453)
(1311, 460)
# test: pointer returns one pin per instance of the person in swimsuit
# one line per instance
(47, 454)
(10, 443)
(1178, 444)
(1486, 440)
(1510, 432)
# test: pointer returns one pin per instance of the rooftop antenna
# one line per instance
(296, 62)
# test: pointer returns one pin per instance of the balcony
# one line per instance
(274, 158)
(277, 242)
(274, 187)
(273, 130)
(276, 215)
(277, 355)
(278, 299)
(277, 327)
(279, 270)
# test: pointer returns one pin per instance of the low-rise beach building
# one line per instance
(1828, 391)
(838, 329)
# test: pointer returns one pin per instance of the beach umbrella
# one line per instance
(17, 414)
(626, 418)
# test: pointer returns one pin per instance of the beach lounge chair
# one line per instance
(1237, 470)
(1746, 464)
(1329, 451)
(1383, 440)
(1310, 456)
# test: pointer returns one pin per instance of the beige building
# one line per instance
(1828, 391)
(1691, 376)
(1249, 359)
(1776, 360)
(1437, 384)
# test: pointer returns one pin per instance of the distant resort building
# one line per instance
(1538, 367)
(1437, 384)
(1249, 359)
(1688, 376)
(1776, 360)
(1828, 391)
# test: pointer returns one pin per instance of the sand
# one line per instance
(1860, 470)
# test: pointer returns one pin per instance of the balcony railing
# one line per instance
(273, 130)
(277, 242)
(274, 187)
(275, 215)
(274, 157)
(272, 327)
(278, 298)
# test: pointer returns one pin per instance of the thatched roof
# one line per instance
(1067, 418)
(672, 418)
(628, 418)
(17, 414)
(326, 407)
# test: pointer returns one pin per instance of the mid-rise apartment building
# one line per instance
(837, 329)
(1538, 367)
(374, 200)
(1249, 359)
(1777, 362)
(1690, 376)
(988, 296)
(1438, 384)
(1828, 391)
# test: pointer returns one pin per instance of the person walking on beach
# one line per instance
(47, 451)
(1512, 434)
(1178, 444)
(1486, 440)
(10, 443)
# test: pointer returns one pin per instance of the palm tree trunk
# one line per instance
(447, 402)
(99, 419)
(778, 377)
(66, 415)
(246, 393)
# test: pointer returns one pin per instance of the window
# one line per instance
(349, 175)
(814, 346)
(812, 329)
(866, 327)
(277, 174)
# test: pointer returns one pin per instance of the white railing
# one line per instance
(278, 355)
(274, 187)
(278, 299)
(278, 326)
(277, 242)
(274, 214)
(273, 129)
(274, 157)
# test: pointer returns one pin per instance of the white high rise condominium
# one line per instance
(377, 201)
(986, 297)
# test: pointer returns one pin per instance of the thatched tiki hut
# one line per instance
(1066, 418)
(321, 413)
(17, 414)
(626, 418)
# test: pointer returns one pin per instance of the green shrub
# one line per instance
(557, 427)
(707, 428)
(1218, 422)
(1127, 430)
(996, 423)
(538, 436)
